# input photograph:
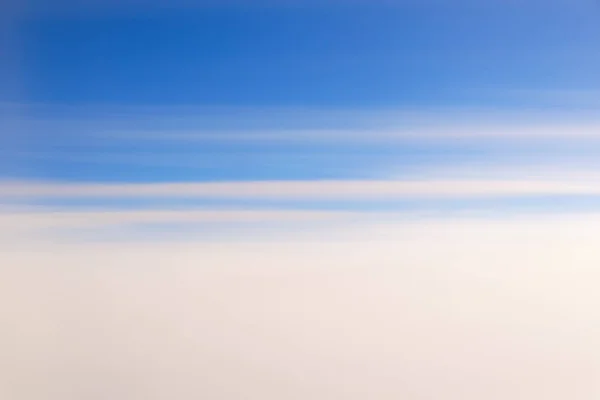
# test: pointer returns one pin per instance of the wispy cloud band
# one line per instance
(78, 219)
(318, 189)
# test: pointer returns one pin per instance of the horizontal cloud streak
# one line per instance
(41, 219)
(483, 132)
(335, 189)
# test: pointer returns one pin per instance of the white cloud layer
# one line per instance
(455, 309)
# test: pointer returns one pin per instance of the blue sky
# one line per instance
(334, 91)
(316, 56)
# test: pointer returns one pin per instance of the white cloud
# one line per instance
(25, 220)
(454, 309)
(280, 124)
(318, 190)
(423, 131)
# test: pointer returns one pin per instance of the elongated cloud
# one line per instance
(77, 219)
(500, 131)
(367, 189)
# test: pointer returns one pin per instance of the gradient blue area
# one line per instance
(346, 56)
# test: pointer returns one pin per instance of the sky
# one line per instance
(299, 199)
